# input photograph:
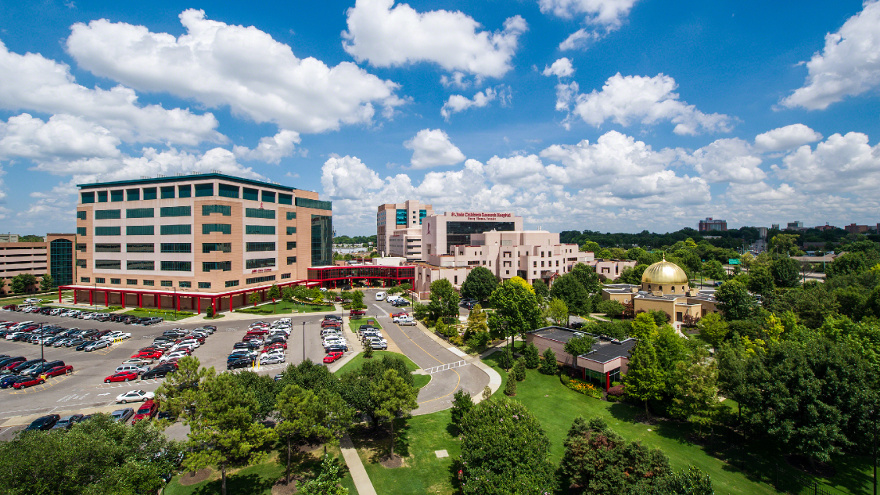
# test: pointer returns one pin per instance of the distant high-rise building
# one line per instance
(796, 225)
(712, 225)
(399, 229)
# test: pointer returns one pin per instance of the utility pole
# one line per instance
(304, 341)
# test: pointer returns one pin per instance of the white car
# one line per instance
(134, 396)
(380, 296)
(272, 358)
(100, 344)
(116, 334)
(404, 322)
(172, 355)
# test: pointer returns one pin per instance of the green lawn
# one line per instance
(283, 307)
(356, 323)
(166, 315)
(358, 361)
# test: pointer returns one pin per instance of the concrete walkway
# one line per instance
(358, 473)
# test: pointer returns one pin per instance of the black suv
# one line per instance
(44, 422)
(245, 362)
(159, 371)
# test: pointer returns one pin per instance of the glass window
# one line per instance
(138, 213)
(224, 210)
(259, 263)
(81, 231)
(99, 280)
(259, 246)
(102, 196)
(223, 228)
(204, 190)
(108, 264)
(210, 247)
(87, 197)
(149, 193)
(251, 194)
(184, 285)
(291, 245)
(81, 263)
(204, 285)
(149, 283)
(291, 260)
(81, 214)
(139, 230)
(259, 229)
(167, 192)
(181, 229)
(285, 199)
(259, 213)
(285, 275)
(116, 281)
(81, 247)
(85, 279)
(257, 280)
(131, 281)
(139, 248)
(268, 196)
(291, 230)
(291, 215)
(107, 214)
(223, 266)
(108, 230)
(108, 248)
(175, 247)
(318, 205)
(166, 283)
(228, 191)
(117, 196)
(140, 265)
(175, 211)
(232, 283)
(322, 240)
(176, 266)
(184, 191)
(133, 194)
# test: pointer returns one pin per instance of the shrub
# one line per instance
(519, 370)
(582, 387)
(462, 403)
(531, 357)
(549, 365)
(505, 361)
(209, 313)
(614, 394)
(510, 388)
(368, 351)
(478, 340)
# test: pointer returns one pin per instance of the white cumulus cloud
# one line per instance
(389, 35)
(728, 160)
(460, 103)
(849, 65)
(271, 149)
(347, 177)
(600, 16)
(62, 137)
(841, 163)
(218, 64)
(432, 148)
(560, 68)
(786, 138)
(648, 100)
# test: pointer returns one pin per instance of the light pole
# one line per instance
(304, 342)
(42, 340)
(174, 302)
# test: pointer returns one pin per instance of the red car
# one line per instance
(148, 410)
(402, 313)
(148, 355)
(332, 356)
(59, 370)
(276, 345)
(29, 383)
(123, 376)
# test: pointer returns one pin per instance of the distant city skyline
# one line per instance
(607, 115)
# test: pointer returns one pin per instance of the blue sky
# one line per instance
(608, 115)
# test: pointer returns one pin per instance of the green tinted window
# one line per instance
(107, 214)
(224, 210)
(139, 213)
(223, 228)
(139, 230)
(175, 211)
(182, 229)
(259, 213)
(108, 230)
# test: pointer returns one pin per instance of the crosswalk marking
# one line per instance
(444, 367)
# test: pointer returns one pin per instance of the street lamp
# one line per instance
(42, 340)
(174, 302)
(304, 342)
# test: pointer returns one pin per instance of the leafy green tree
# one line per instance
(328, 480)
(519, 369)
(542, 292)
(444, 300)
(713, 329)
(690, 481)
(517, 307)
(263, 388)
(549, 366)
(734, 300)
(254, 298)
(761, 280)
(645, 380)
(643, 327)
(310, 376)
(288, 294)
(177, 393)
(357, 300)
(462, 403)
(479, 284)
(510, 386)
(660, 317)
(812, 303)
(598, 460)
(694, 390)
(610, 308)
(46, 282)
(477, 327)
(568, 289)
(714, 270)
(394, 398)
(784, 245)
(579, 345)
(225, 429)
(557, 312)
(587, 277)
(504, 450)
(786, 272)
(22, 283)
(633, 275)
(274, 292)
(531, 356)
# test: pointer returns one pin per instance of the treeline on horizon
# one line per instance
(358, 239)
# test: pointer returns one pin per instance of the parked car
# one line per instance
(29, 381)
(58, 371)
(125, 376)
(67, 421)
(159, 371)
(43, 422)
(148, 411)
(94, 346)
(332, 357)
(380, 296)
(122, 415)
(272, 358)
(245, 362)
(134, 396)
(9, 381)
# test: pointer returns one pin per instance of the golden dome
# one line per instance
(664, 272)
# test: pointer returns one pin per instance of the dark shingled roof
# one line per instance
(602, 351)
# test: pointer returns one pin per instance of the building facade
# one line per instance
(399, 228)
(54, 256)
(195, 237)
(712, 225)
(441, 232)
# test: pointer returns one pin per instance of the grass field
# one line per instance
(166, 315)
(358, 361)
(355, 324)
(282, 308)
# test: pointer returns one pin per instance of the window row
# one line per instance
(186, 191)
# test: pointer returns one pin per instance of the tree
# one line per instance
(479, 284)
(734, 300)
(786, 272)
(444, 300)
(610, 308)
(557, 312)
(263, 388)
(643, 327)
(531, 356)
(761, 281)
(577, 346)
(510, 386)
(784, 245)
(327, 481)
(288, 293)
(598, 460)
(542, 292)
(568, 289)
(694, 392)
(274, 292)
(462, 403)
(254, 298)
(690, 481)
(46, 283)
(477, 333)
(519, 369)
(22, 283)
(516, 307)
(633, 275)
(225, 430)
(713, 269)
(176, 394)
(504, 450)
(644, 381)
(549, 366)
(394, 398)
(713, 329)
(357, 300)
(587, 277)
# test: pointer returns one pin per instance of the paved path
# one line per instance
(356, 467)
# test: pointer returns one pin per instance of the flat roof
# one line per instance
(601, 352)
(182, 178)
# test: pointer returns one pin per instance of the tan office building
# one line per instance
(53, 256)
(191, 241)
(399, 229)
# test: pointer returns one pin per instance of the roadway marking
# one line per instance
(444, 367)
(40, 387)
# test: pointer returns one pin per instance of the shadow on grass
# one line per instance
(377, 441)
(246, 484)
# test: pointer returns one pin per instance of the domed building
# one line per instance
(665, 277)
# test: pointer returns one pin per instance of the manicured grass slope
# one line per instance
(358, 361)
